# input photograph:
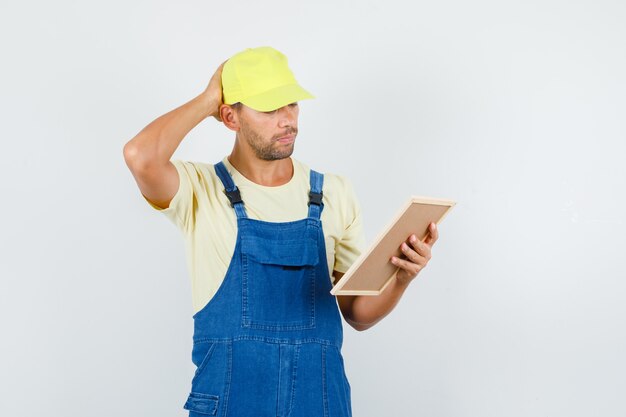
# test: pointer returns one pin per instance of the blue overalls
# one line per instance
(268, 344)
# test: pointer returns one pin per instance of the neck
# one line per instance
(259, 171)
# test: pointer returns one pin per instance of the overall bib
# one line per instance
(268, 344)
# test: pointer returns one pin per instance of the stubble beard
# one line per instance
(263, 150)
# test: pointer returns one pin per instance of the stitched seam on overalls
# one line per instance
(268, 339)
(312, 295)
(278, 388)
(205, 361)
(293, 379)
(228, 377)
(244, 292)
(324, 382)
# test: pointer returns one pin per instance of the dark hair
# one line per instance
(237, 106)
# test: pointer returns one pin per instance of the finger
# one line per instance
(420, 247)
(412, 255)
(433, 234)
(217, 75)
(410, 267)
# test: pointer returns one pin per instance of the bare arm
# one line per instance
(148, 154)
(364, 311)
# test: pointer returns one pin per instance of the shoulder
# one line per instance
(338, 183)
(339, 194)
(333, 183)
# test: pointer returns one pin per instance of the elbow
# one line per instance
(360, 327)
(135, 157)
(131, 154)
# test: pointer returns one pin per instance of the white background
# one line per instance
(515, 109)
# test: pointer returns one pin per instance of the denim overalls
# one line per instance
(268, 344)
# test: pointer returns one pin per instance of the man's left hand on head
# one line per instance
(417, 255)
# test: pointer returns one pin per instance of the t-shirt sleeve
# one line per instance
(180, 209)
(352, 242)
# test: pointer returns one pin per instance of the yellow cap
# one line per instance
(261, 79)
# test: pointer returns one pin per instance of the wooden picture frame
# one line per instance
(373, 271)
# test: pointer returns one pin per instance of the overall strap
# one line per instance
(315, 195)
(231, 190)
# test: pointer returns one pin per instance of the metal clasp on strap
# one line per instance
(234, 196)
(315, 198)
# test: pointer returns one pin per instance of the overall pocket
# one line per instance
(210, 384)
(278, 282)
(201, 355)
(203, 404)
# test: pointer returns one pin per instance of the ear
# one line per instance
(230, 118)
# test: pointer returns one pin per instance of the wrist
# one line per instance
(402, 282)
(209, 105)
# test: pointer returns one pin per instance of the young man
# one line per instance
(266, 238)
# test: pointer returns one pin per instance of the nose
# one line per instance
(288, 116)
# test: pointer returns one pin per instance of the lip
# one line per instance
(286, 139)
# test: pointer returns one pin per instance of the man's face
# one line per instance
(264, 131)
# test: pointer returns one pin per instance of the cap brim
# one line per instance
(277, 97)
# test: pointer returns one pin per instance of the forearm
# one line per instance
(367, 310)
(156, 143)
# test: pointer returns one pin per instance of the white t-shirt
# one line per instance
(202, 212)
